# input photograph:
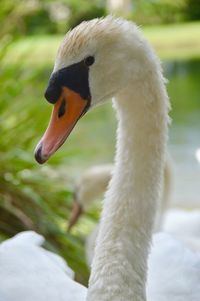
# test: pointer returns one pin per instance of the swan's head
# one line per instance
(95, 61)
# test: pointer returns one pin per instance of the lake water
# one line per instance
(93, 139)
(184, 91)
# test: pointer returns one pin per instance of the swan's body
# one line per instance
(184, 225)
(110, 58)
(174, 271)
(29, 272)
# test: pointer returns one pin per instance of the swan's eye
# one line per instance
(89, 61)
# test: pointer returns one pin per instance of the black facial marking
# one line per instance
(61, 111)
(75, 77)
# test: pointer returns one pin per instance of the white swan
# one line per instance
(183, 222)
(29, 272)
(184, 225)
(97, 60)
(100, 59)
(174, 271)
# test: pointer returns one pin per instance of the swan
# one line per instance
(29, 272)
(184, 225)
(197, 155)
(182, 222)
(97, 60)
(93, 183)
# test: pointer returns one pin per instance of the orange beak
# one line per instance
(66, 112)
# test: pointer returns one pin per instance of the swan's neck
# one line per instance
(120, 264)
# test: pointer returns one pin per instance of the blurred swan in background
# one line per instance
(93, 183)
(197, 155)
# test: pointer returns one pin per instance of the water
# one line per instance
(184, 91)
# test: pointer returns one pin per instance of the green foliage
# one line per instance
(192, 10)
(175, 41)
(32, 197)
(183, 89)
(39, 22)
(157, 12)
(91, 13)
(21, 17)
(25, 17)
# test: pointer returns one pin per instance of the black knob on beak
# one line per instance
(52, 93)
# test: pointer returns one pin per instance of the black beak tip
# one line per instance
(38, 154)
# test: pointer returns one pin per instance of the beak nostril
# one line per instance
(61, 111)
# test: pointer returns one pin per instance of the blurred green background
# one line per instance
(39, 198)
